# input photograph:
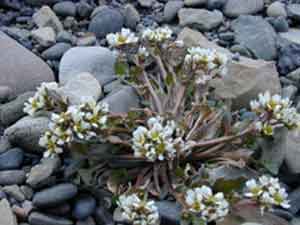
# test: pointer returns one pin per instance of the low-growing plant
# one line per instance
(163, 149)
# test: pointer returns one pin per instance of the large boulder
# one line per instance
(21, 70)
(257, 35)
(245, 79)
(235, 8)
(26, 133)
(98, 61)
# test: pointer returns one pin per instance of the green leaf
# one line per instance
(228, 186)
(121, 68)
(169, 80)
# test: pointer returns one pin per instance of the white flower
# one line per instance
(267, 191)
(49, 141)
(40, 100)
(122, 38)
(210, 207)
(143, 52)
(138, 211)
(155, 142)
(158, 35)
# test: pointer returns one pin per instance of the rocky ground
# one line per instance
(47, 40)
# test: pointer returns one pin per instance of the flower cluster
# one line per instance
(41, 99)
(138, 211)
(276, 110)
(267, 192)
(77, 122)
(155, 142)
(122, 38)
(159, 34)
(208, 206)
(206, 60)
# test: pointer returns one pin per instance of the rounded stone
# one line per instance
(106, 21)
(55, 195)
(84, 206)
(276, 9)
(65, 8)
(235, 8)
(12, 159)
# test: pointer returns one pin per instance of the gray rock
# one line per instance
(235, 8)
(27, 132)
(98, 61)
(241, 50)
(82, 86)
(294, 198)
(102, 216)
(106, 21)
(54, 195)
(28, 192)
(294, 76)
(289, 91)
(292, 153)
(113, 86)
(88, 221)
(84, 9)
(15, 192)
(45, 17)
(4, 144)
(56, 51)
(288, 58)
(11, 177)
(84, 206)
(7, 215)
(12, 111)
(257, 35)
(293, 35)
(45, 36)
(215, 4)
(280, 24)
(192, 3)
(132, 16)
(36, 218)
(295, 221)
(18, 64)
(5, 94)
(245, 79)
(65, 8)
(40, 174)
(201, 19)
(66, 37)
(146, 3)
(276, 9)
(294, 11)
(41, 2)
(87, 40)
(171, 9)
(170, 212)
(122, 100)
(11, 159)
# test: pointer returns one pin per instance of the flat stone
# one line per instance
(21, 70)
(54, 195)
(257, 35)
(40, 174)
(235, 8)
(26, 133)
(122, 100)
(11, 159)
(12, 111)
(81, 87)
(7, 215)
(201, 19)
(65, 8)
(36, 218)
(293, 35)
(106, 21)
(98, 61)
(245, 78)
(45, 17)
(11, 177)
